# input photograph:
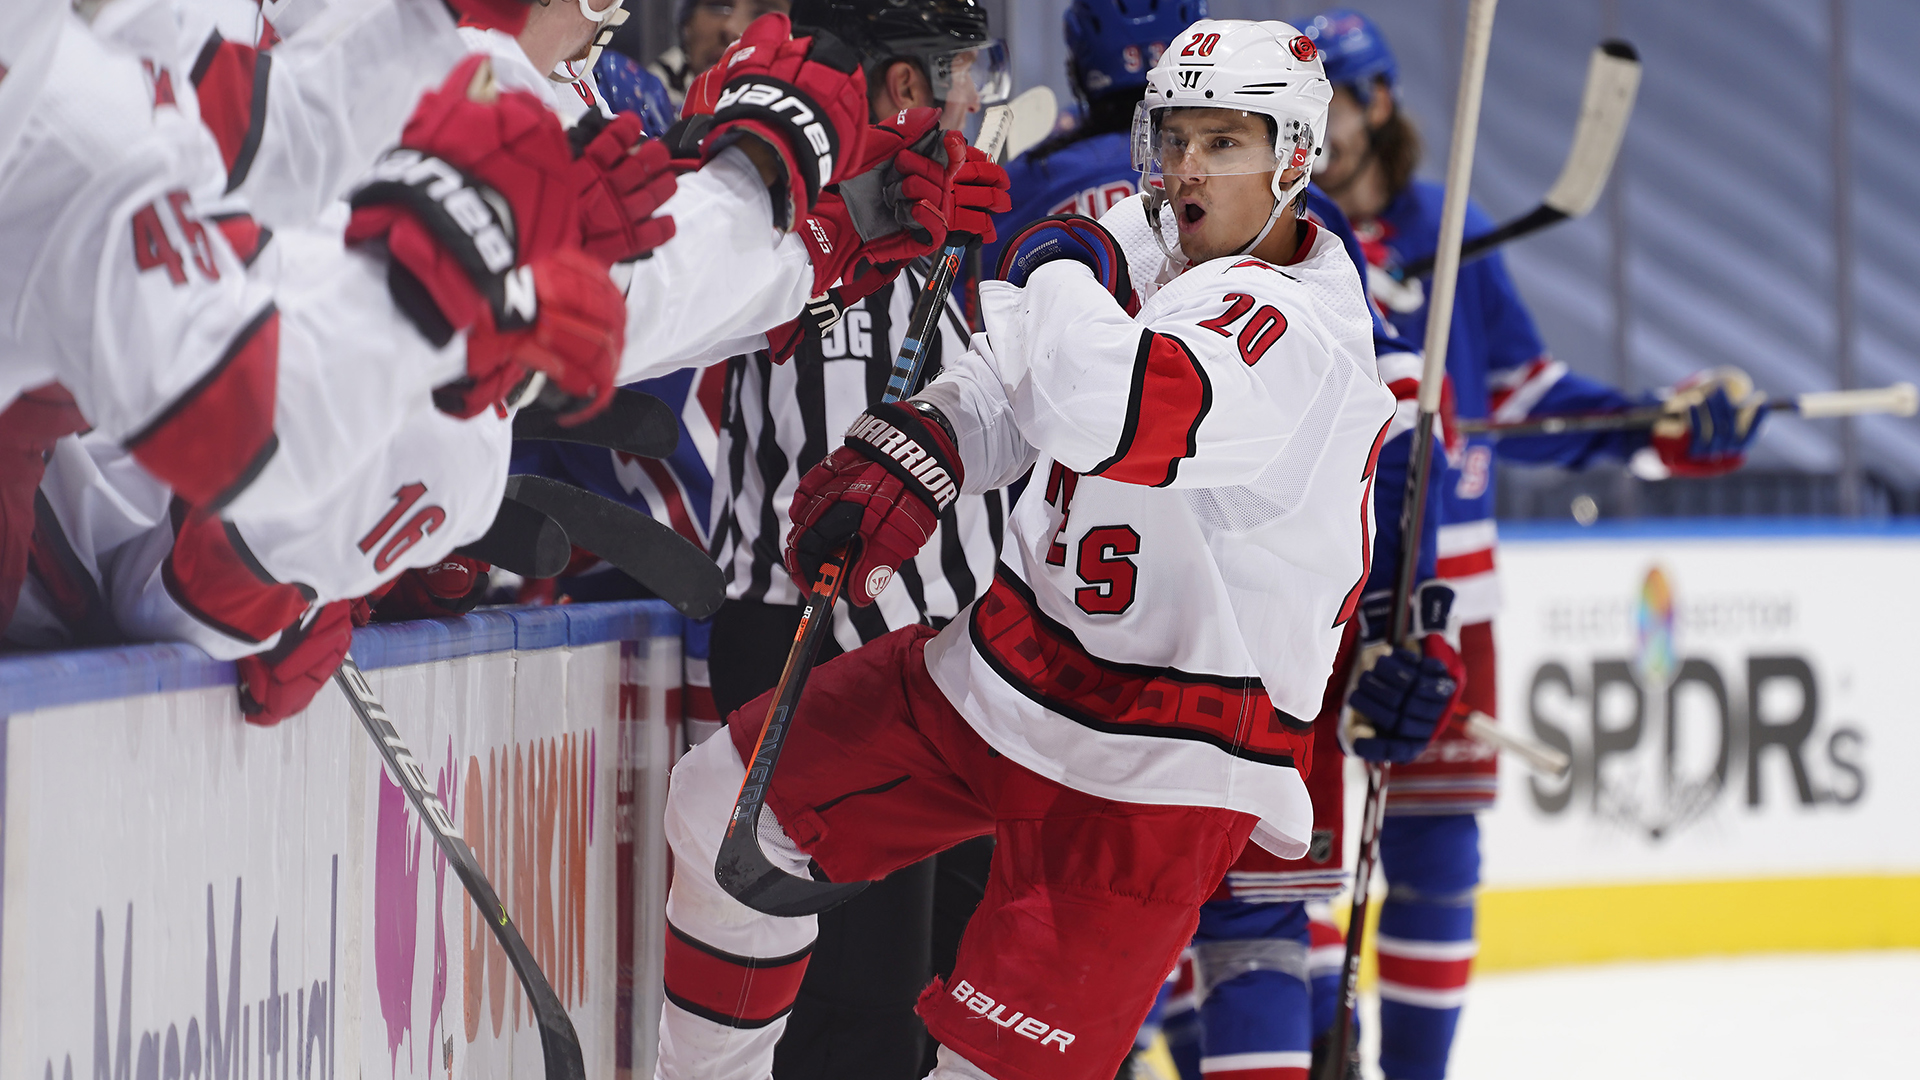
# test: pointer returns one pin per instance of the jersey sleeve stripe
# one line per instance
(246, 236)
(1045, 661)
(215, 438)
(737, 991)
(1171, 395)
(231, 80)
(215, 578)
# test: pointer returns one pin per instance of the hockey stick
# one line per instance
(1034, 114)
(645, 550)
(635, 423)
(1900, 399)
(1538, 756)
(1613, 80)
(559, 1044)
(1342, 1048)
(523, 541)
(741, 867)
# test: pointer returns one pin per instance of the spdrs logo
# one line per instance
(1714, 706)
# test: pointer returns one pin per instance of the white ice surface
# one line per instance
(1751, 1018)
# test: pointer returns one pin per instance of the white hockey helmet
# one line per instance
(1269, 68)
(29, 30)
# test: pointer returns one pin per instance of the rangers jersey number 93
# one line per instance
(1197, 527)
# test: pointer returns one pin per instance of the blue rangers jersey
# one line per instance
(1499, 369)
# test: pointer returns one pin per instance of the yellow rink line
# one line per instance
(1533, 928)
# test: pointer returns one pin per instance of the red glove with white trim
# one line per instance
(453, 586)
(805, 97)
(884, 491)
(283, 680)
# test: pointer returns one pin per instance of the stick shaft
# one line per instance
(559, 1043)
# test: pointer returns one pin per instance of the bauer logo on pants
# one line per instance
(1020, 1022)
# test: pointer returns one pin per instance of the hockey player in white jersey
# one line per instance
(1124, 708)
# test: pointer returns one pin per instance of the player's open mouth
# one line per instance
(1189, 214)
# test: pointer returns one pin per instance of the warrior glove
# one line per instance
(1709, 420)
(883, 491)
(283, 680)
(1407, 695)
(478, 210)
(1073, 237)
(624, 179)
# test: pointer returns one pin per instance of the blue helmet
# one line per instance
(1111, 44)
(1354, 51)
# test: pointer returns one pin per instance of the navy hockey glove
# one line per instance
(1068, 236)
(1404, 699)
(884, 490)
(1711, 418)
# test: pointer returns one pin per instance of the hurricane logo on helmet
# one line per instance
(1303, 49)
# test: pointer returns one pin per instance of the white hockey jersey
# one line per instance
(1197, 530)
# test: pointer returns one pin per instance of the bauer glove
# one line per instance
(477, 209)
(883, 491)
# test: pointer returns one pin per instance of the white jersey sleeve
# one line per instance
(724, 280)
(1214, 381)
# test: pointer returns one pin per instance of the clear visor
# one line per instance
(1174, 141)
(969, 80)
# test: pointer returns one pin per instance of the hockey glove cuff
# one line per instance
(1402, 701)
(883, 492)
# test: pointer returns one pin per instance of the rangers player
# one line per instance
(1128, 702)
(1498, 369)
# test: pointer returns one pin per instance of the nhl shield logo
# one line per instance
(1320, 846)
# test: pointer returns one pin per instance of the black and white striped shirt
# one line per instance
(778, 421)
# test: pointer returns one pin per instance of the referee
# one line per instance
(854, 1016)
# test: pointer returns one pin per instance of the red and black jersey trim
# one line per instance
(231, 80)
(737, 991)
(1171, 395)
(214, 576)
(246, 236)
(1044, 660)
(215, 438)
(71, 591)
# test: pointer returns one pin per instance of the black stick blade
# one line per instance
(644, 549)
(634, 423)
(524, 541)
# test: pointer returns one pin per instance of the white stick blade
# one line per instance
(1539, 757)
(994, 124)
(1900, 399)
(1613, 80)
(1035, 112)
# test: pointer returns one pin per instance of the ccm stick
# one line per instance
(1900, 399)
(1342, 1048)
(1613, 81)
(559, 1044)
(742, 868)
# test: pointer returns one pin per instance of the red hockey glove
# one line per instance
(1711, 418)
(884, 489)
(975, 187)
(624, 179)
(283, 680)
(1407, 696)
(806, 98)
(480, 193)
(575, 341)
(1068, 236)
(453, 586)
